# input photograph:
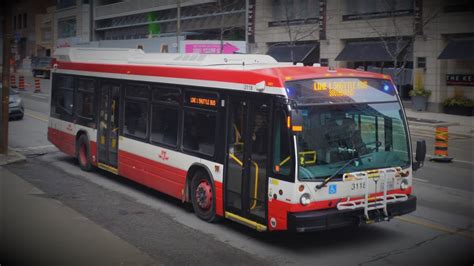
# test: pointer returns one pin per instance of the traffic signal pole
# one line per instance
(7, 33)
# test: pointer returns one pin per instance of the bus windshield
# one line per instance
(334, 133)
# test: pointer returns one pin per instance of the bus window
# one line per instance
(281, 146)
(199, 131)
(164, 124)
(85, 99)
(64, 96)
(137, 91)
(136, 110)
(166, 95)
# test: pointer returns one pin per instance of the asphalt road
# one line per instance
(440, 232)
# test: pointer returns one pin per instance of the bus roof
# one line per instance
(236, 68)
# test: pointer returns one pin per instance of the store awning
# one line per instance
(462, 49)
(375, 51)
(307, 54)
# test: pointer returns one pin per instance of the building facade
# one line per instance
(72, 23)
(23, 25)
(44, 30)
(153, 23)
(407, 39)
(417, 42)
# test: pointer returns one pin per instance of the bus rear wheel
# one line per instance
(203, 197)
(83, 153)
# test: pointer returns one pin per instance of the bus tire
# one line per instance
(83, 153)
(203, 197)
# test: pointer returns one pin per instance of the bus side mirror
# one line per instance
(296, 121)
(420, 154)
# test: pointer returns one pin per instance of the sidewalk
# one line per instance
(36, 229)
(457, 124)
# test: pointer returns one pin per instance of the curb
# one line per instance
(11, 157)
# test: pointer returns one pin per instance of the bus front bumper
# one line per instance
(333, 218)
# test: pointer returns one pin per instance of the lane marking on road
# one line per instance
(460, 232)
(36, 117)
(39, 96)
(421, 180)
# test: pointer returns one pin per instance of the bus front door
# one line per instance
(108, 126)
(245, 184)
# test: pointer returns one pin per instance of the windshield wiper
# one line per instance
(327, 180)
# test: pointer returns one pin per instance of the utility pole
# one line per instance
(5, 77)
(178, 23)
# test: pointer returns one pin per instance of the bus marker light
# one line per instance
(217, 168)
(301, 188)
(260, 86)
(280, 192)
(297, 128)
(273, 222)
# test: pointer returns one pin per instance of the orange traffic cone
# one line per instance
(13, 81)
(37, 85)
(21, 83)
(441, 145)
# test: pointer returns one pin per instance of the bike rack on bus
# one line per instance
(376, 202)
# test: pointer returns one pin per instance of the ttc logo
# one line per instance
(163, 156)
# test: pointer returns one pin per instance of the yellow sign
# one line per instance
(340, 88)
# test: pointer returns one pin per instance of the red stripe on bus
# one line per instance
(64, 141)
(159, 176)
(223, 75)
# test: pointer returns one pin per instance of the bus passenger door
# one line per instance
(108, 126)
(245, 179)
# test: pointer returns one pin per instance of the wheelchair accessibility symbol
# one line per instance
(332, 189)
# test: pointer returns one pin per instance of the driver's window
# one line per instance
(373, 132)
(282, 161)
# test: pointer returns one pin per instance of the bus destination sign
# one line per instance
(203, 101)
(340, 88)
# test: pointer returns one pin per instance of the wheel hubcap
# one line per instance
(204, 195)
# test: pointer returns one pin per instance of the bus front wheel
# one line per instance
(83, 152)
(203, 197)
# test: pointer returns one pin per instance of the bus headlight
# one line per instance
(305, 199)
(404, 184)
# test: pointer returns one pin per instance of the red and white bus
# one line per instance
(272, 146)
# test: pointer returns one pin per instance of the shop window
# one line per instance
(287, 10)
(324, 62)
(67, 28)
(60, 4)
(199, 131)
(421, 62)
(135, 119)
(164, 125)
(376, 9)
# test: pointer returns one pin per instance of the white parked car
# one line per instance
(16, 110)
